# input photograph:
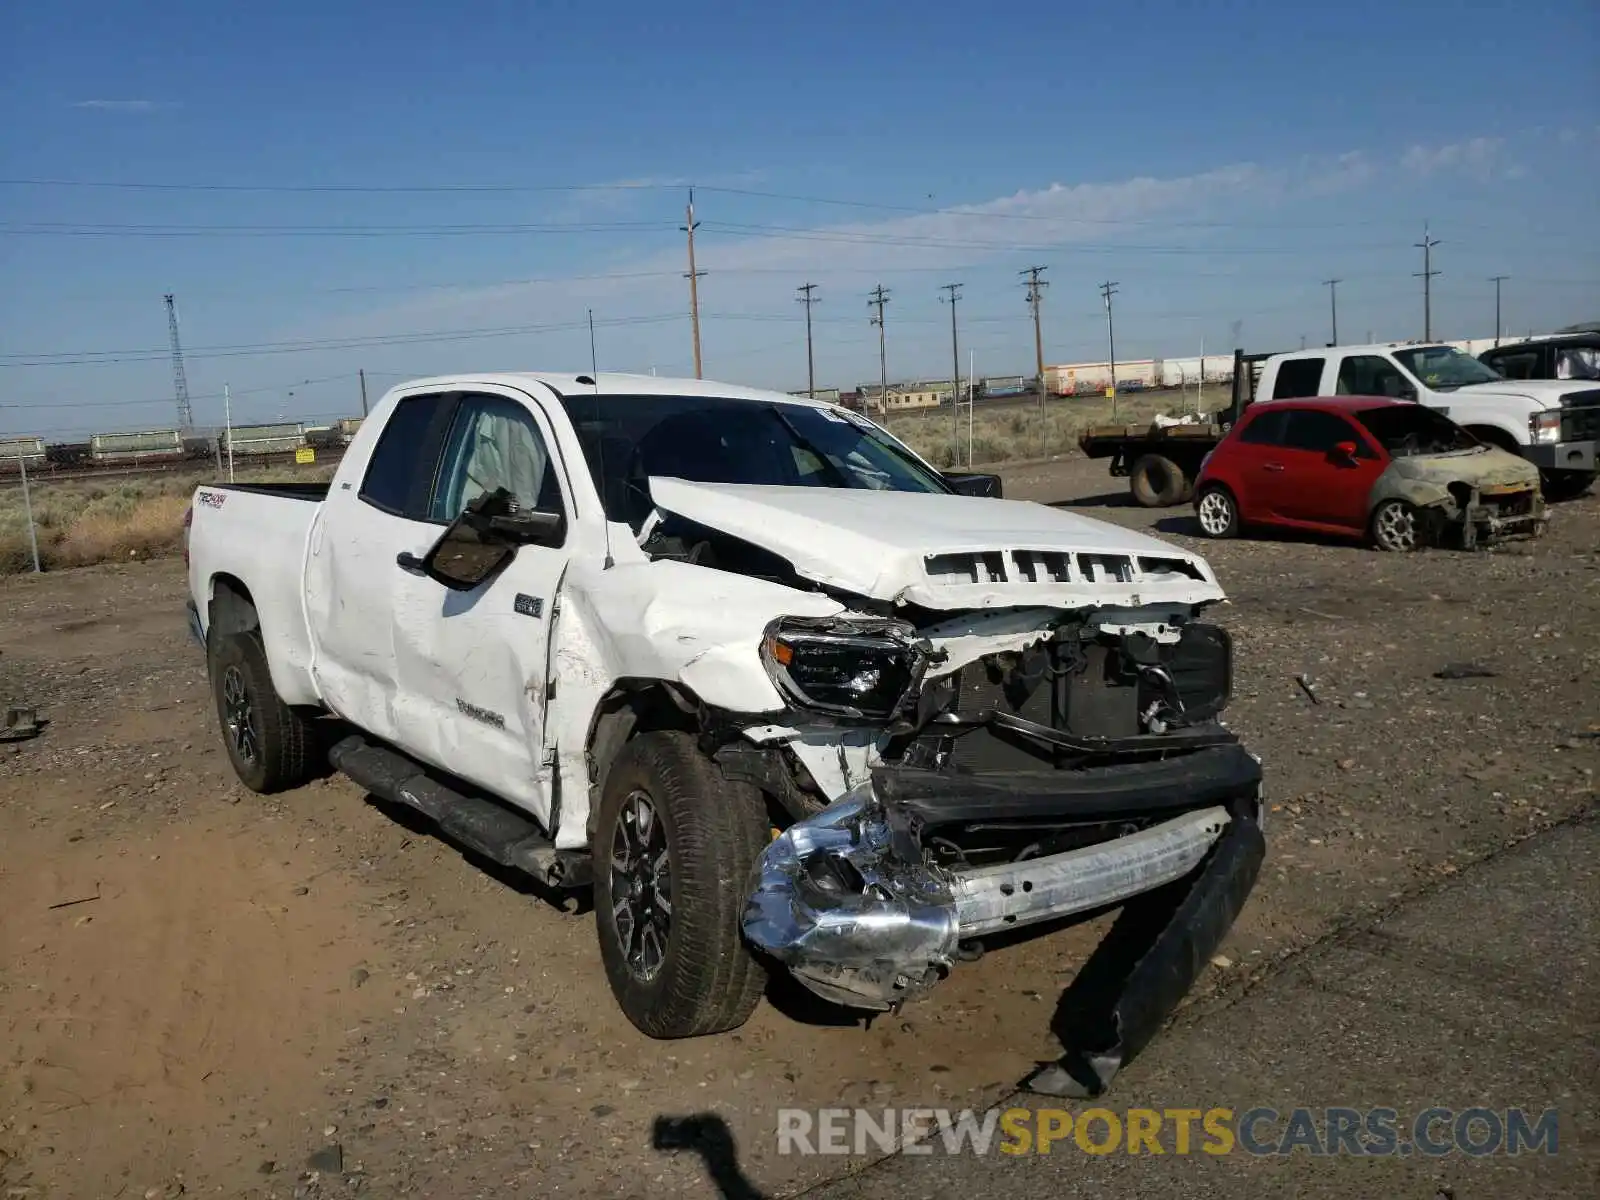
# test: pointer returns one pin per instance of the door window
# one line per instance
(1320, 432)
(1370, 375)
(494, 443)
(1265, 428)
(1298, 378)
(1522, 365)
(401, 469)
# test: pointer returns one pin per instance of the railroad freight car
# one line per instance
(248, 441)
(154, 446)
(19, 451)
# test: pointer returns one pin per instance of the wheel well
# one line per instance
(629, 709)
(1495, 437)
(232, 609)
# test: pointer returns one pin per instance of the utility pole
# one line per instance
(1427, 273)
(955, 372)
(1108, 289)
(694, 283)
(880, 297)
(180, 379)
(1036, 288)
(1333, 303)
(1497, 280)
(363, 374)
(805, 297)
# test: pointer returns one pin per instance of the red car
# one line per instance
(1364, 466)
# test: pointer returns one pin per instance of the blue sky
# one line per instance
(452, 189)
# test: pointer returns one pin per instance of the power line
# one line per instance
(1036, 288)
(1427, 273)
(805, 297)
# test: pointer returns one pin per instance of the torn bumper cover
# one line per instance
(847, 901)
(1494, 513)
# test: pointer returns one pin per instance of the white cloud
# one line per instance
(1479, 157)
(124, 106)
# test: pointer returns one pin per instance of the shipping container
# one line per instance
(17, 452)
(162, 445)
(247, 440)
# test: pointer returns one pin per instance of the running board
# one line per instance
(492, 830)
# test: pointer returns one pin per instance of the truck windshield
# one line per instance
(1444, 368)
(707, 439)
(1407, 429)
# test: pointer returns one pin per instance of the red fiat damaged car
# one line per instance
(1394, 471)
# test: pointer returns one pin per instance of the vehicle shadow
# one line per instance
(573, 901)
(707, 1135)
(1122, 499)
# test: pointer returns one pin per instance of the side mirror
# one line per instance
(1344, 452)
(975, 485)
(479, 543)
(1406, 392)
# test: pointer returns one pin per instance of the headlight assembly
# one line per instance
(1545, 427)
(856, 668)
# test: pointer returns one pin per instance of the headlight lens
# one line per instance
(1545, 426)
(856, 668)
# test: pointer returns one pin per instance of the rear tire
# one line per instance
(1397, 527)
(1217, 512)
(271, 746)
(1157, 481)
(675, 849)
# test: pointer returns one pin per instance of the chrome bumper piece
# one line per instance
(846, 902)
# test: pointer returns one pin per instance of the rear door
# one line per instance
(473, 667)
(1318, 485)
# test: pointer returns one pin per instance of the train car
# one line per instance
(324, 437)
(347, 428)
(999, 387)
(66, 455)
(247, 441)
(1079, 379)
(161, 445)
(17, 452)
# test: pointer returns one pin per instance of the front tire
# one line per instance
(675, 846)
(271, 746)
(1397, 527)
(1217, 512)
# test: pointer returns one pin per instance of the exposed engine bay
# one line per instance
(1085, 764)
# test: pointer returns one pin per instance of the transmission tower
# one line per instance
(180, 381)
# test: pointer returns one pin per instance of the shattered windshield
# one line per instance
(1407, 429)
(707, 439)
(1444, 368)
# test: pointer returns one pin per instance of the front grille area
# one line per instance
(1517, 504)
(1054, 566)
(1580, 417)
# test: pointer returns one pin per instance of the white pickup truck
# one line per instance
(1553, 423)
(779, 689)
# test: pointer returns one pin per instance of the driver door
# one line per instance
(473, 666)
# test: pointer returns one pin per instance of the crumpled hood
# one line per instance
(945, 552)
(1488, 468)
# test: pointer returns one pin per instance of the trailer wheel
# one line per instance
(1158, 482)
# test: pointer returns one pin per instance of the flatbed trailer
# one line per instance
(1161, 462)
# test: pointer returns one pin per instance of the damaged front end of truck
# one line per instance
(1063, 777)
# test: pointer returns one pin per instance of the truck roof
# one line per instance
(1368, 348)
(616, 383)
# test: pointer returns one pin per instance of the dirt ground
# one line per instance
(203, 991)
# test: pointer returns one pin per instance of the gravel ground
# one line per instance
(206, 992)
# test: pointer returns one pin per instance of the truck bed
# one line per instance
(1108, 441)
(314, 492)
